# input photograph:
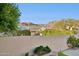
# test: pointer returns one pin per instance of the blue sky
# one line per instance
(42, 13)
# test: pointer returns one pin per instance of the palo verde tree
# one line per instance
(9, 17)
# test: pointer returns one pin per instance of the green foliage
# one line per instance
(39, 50)
(51, 32)
(73, 41)
(42, 50)
(75, 31)
(60, 27)
(56, 32)
(9, 17)
(69, 21)
(47, 49)
(77, 41)
(61, 54)
(23, 32)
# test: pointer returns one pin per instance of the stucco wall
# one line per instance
(19, 45)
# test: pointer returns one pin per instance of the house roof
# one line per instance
(24, 24)
(34, 28)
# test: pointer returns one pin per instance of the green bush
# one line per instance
(42, 50)
(50, 32)
(47, 49)
(23, 32)
(72, 41)
(75, 31)
(39, 50)
(61, 54)
(78, 42)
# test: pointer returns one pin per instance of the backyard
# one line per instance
(34, 32)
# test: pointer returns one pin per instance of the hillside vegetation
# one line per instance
(62, 27)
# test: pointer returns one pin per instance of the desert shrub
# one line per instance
(72, 41)
(47, 49)
(39, 50)
(61, 54)
(23, 32)
(50, 32)
(42, 50)
(78, 42)
(75, 31)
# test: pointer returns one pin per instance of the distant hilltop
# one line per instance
(58, 24)
(64, 26)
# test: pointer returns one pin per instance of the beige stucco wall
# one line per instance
(18, 45)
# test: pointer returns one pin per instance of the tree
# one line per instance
(9, 17)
